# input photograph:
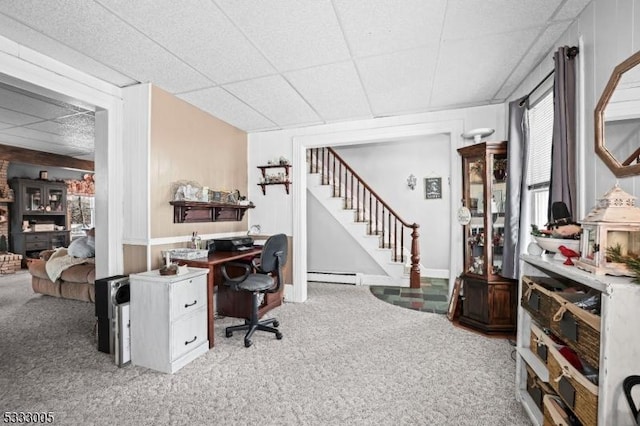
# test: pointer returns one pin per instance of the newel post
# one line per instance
(414, 275)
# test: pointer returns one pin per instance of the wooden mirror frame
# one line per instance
(605, 155)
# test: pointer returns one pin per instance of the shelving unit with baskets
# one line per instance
(266, 179)
(607, 344)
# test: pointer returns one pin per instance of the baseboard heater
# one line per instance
(335, 277)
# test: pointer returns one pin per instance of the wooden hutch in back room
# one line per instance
(38, 216)
(489, 302)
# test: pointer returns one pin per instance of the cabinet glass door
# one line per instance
(32, 196)
(54, 200)
(498, 199)
(475, 261)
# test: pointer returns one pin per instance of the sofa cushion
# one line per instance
(85, 273)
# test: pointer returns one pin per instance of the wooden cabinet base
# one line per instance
(489, 307)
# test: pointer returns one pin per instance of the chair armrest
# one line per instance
(235, 280)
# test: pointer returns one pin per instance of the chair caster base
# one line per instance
(247, 343)
(228, 333)
(279, 336)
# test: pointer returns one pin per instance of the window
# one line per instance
(540, 118)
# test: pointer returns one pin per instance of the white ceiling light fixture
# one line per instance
(478, 134)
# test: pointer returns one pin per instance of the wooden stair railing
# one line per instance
(382, 220)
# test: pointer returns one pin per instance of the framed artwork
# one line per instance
(453, 302)
(432, 188)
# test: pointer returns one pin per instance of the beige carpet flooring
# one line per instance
(347, 358)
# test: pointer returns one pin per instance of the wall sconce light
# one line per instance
(411, 182)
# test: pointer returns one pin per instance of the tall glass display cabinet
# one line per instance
(489, 303)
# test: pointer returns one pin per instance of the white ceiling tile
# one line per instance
(198, 33)
(275, 99)
(41, 43)
(292, 34)
(532, 58)
(28, 105)
(220, 104)
(16, 118)
(41, 144)
(334, 91)
(469, 69)
(381, 26)
(398, 82)
(471, 19)
(29, 133)
(92, 30)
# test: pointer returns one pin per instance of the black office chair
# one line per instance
(627, 385)
(260, 277)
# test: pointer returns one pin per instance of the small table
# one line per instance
(230, 303)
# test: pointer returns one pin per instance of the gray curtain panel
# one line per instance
(516, 181)
(563, 148)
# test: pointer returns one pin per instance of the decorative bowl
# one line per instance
(551, 244)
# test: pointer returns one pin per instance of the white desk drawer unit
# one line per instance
(168, 319)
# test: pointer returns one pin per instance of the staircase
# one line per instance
(365, 216)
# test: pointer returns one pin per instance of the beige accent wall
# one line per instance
(189, 144)
(135, 259)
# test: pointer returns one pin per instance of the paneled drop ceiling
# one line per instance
(272, 64)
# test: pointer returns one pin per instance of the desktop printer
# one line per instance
(233, 243)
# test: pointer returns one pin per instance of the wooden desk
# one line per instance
(230, 303)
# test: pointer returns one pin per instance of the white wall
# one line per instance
(607, 32)
(332, 250)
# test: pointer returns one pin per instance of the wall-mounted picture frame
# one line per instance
(432, 188)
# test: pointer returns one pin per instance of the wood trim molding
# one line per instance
(30, 156)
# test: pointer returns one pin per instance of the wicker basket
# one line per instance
(554, 414)
(578, 328)
(536, 388)
(578, 393)
(536, 297)
(539, 343)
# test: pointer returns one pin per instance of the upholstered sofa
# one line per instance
(75, 282)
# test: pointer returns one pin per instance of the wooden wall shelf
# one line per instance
(285, 182)
(200, 211)
(264, 184)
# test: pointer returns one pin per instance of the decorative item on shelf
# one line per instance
(283, 161)
(476, 171)
(186, 191)
(44, 175)
(478, 134)
(611, 228)
(411, 181)
(551, 241)
(169, 269)
(500, 169)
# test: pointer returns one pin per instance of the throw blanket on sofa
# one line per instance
(61, 261)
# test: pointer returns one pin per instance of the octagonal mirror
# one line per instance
(617, 119)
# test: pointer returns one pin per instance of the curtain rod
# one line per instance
(573, 51)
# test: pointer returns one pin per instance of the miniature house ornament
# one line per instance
(613, 223)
